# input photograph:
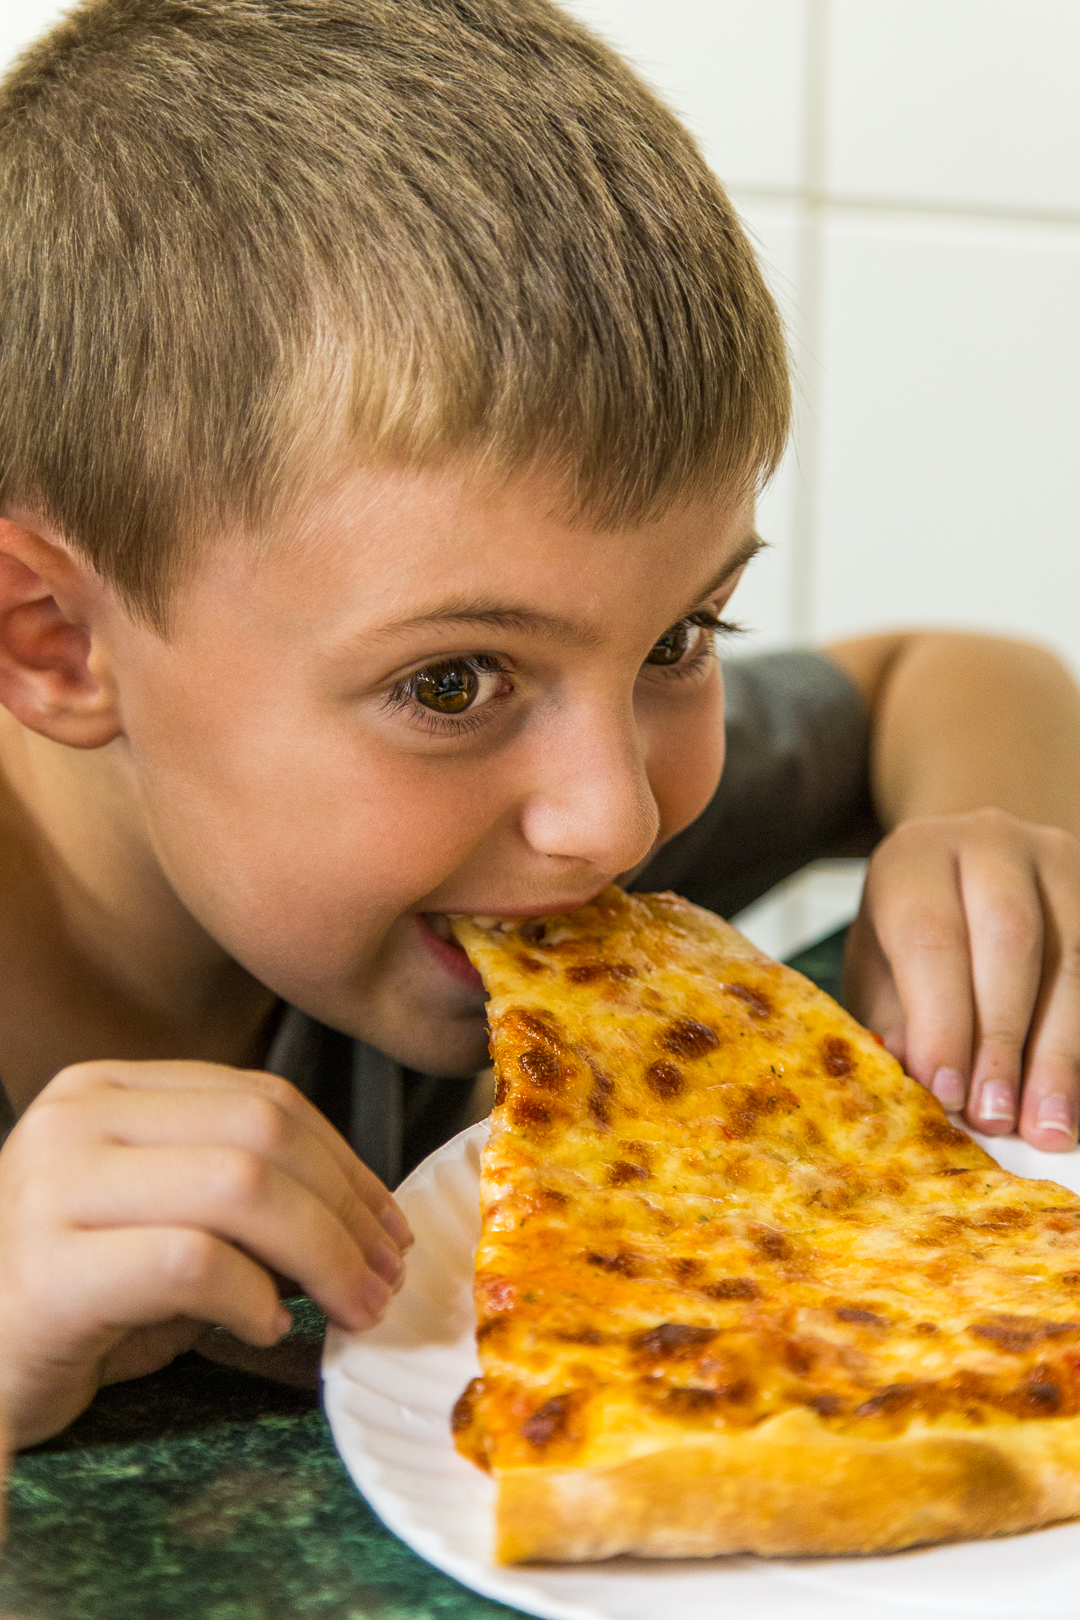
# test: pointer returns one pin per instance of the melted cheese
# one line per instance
(710, 1198)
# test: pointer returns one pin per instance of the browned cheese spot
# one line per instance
(1012, 1335)
(687, 1266)
(732, 1288)
(622, 1171)
(926, 1330)
(549, 1422)
(837, 1056)
(465, 1405)
(541, 1067)
(529, 964)
(756, 1000)
(689, 1039)
(773, 1245)
(754, 1104)
(672, 1340)
(957, 1170)
(1071, 1279)
(600, 1097)
(864, 1318)
(1004, 1219)
(625, 1261)
(798, 1357)
(580, 1336)
(589, 972)
(502, 1090)
(1063, 1220)
(937, 1132)
(530, 1111)
(894, 1400)
(691, 1403)
(1041, 1395)
(824, 1405)
(542, 1025)
(664, 1079)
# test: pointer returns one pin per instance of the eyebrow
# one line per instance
(508, 616)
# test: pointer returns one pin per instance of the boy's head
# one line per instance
(383, 390)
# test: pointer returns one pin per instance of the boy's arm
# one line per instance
(966, 951)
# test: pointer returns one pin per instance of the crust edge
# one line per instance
(783, 1490)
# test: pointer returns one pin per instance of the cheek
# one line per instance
(685, 756)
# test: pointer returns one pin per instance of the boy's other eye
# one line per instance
(449, 688)
(446, 688)
(689, 641)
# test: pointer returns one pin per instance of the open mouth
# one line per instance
(435, 931)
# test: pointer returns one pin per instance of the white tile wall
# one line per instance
(23, 20)
(949, 426)
(966, 103)
(734, 69)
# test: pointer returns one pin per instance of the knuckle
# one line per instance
(261, 1124)
(238, 1176)
(189, 1257)
(1012, 927)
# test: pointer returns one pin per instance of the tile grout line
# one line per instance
(810, 330)
(969, 212)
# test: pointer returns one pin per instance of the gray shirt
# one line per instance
(795, 787)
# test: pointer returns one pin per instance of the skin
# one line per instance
(259, 805)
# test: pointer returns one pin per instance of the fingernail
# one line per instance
(387, 1262)
(374, 1295)
(997, 1102)
(1056, 1114)
(950, 1089)
(396, 1226)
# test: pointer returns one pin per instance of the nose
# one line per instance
(591, 800)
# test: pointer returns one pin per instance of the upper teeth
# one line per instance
(487, 922)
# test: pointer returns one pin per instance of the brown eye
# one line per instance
(671, 648)
(446, 688)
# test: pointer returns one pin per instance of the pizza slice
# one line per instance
(741, 1286)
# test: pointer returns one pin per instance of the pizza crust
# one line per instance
(794, 1487)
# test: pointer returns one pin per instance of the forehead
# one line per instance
(388, 551)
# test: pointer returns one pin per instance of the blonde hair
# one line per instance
(241, 239)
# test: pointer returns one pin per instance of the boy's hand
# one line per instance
(141, 1201)
(965, 958)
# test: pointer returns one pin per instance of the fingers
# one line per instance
(233, 1195)
(972, 923)
(1005, 924)
(250, 1107)
(1051, 1097)
(869, 988)
(913, 901)
(147, 1275)
(248, 1122)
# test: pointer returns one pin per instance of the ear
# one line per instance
(53, 677)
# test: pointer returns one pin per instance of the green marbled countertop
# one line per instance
(210, 1493)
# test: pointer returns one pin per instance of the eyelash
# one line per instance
(702, 619)
(445, 725)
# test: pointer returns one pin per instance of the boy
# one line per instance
(385, 388)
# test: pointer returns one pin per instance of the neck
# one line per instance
(109, 963)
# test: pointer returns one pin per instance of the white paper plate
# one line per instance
(388, 1398)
